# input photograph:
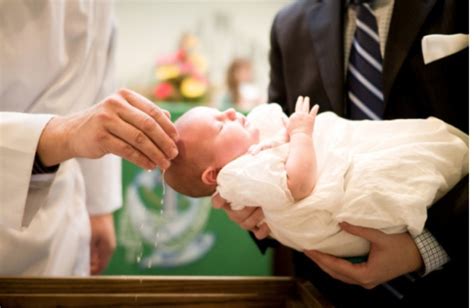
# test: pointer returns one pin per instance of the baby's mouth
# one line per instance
(242, 119)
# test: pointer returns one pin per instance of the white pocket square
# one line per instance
(438, 46)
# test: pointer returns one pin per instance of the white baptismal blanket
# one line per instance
(376, 174)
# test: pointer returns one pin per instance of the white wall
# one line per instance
(226, 29)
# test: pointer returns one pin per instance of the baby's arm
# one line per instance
(301, 163)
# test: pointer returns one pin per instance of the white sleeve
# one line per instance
(103, 181)
(19, 136)
(259, 180)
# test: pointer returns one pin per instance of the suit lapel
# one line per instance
(325, 25)
(407, 18)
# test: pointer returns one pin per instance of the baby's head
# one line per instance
(208, 140)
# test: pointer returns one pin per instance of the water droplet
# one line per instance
(163, 182)
(157, 236)
(164, 189)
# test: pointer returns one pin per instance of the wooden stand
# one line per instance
(152, 291)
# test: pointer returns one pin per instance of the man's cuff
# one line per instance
(433, 254)
(40, 168)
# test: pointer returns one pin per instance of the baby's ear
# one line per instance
(209, 176)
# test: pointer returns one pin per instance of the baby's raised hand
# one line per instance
(302, 120)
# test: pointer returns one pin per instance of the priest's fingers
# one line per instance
(147, 123)
(105, 253)
(162, 117)
(140, 142)
(103, 241)
(167, 114)
(118, 147)
(94, 260)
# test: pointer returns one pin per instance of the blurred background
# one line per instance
(181, 54)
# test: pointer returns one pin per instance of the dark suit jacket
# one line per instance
(306, 58)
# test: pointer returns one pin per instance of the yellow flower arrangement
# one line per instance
(181, 77)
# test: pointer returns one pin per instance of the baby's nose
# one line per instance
(230, 113)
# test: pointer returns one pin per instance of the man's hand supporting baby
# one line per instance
(249, 218)
(301, 162)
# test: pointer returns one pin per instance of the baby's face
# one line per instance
(226, 133)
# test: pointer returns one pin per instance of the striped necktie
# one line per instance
(364, 71)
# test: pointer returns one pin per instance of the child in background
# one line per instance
(310, 175)
(242, 93)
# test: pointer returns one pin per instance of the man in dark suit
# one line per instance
(309, 55)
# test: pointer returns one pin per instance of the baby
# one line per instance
(310, 175)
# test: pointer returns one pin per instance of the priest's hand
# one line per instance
(248, 218)
(390, 256)
(103, 242)
(125, 124)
